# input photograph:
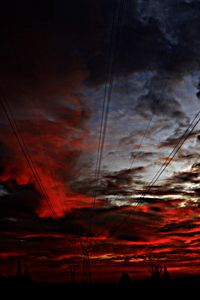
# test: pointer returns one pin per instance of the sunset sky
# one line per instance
(54, 65)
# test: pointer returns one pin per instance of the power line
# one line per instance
(141, 142)
(25, 152)
(147, 127)
(178, 146)
(173, 153)
(114, 43)
(112, 55)
(168, 160)
(144, 135)
(113, 52)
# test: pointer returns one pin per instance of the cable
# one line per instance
(114, 41)
(172, 154)
(141, 142)
(169, 159)
(115, 36)
(25, 152)
(112, 56)
(148, 126)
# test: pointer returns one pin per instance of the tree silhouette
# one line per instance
(155, 269)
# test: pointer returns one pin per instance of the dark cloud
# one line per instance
(142, 155)
(164, 40)
(112, 183)
(190, 176)
(176, 226)
(174, 139)
(159, 102)
(19, 200)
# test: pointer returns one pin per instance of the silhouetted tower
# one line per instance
(86, 264)
(72, 268)
(19, 268)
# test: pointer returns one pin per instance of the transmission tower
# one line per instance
(86, 263)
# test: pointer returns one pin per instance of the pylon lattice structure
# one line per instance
(86, 263)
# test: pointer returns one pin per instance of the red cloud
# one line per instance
(55, 146)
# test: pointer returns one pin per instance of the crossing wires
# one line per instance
(14, 127)
(187, 133)
(108, 89)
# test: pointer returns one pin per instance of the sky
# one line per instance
(54, 66)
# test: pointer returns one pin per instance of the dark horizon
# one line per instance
(156, 273)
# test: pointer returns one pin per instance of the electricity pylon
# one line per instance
(86, 263)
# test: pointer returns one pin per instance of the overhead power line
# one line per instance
(141, 141)
(26, 153)
(148, 126)
(173, 153)
(168, 160)
(113, 50)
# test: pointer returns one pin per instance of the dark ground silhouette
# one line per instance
(158, 286)
(125, 288)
